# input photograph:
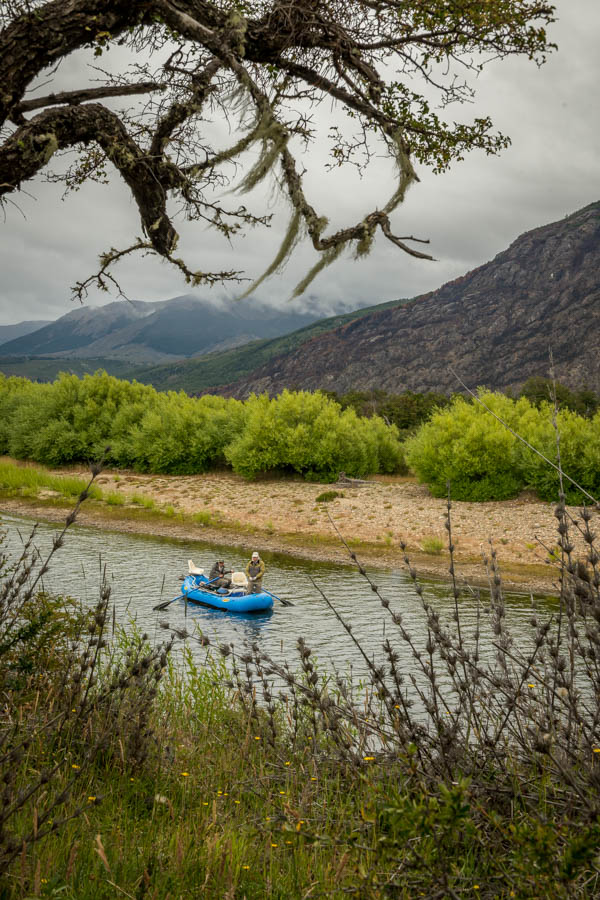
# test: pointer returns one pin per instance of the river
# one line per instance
(144, 570)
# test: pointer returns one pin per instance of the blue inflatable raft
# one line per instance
(234, 600)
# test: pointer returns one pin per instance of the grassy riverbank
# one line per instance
(231, 803)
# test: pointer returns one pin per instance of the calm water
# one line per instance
(143, 571)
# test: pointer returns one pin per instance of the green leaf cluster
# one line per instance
(464, 445)
(309, 434)
(132, 425)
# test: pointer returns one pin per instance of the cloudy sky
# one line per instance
(469, 214)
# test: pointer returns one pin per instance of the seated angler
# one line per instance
(218, 575)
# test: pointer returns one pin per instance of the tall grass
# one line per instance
(28, 481)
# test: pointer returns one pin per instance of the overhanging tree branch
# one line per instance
(74, 98)
(281, 56)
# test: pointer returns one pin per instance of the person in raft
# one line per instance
(218, 576)
(254, 572)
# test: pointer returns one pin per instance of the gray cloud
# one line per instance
(469, 214)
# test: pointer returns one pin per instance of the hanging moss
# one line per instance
(232, 152)
(363, 248)
(327, 257)
(288, 244)
(406, 172)
(274, 138)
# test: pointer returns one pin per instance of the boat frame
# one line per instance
(234, 600)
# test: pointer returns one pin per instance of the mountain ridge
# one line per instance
(19, 329)
(137, 331)
(493, 326)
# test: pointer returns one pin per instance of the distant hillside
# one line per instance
(493, 326)
(139, 332)
(10, 332)
(43, 368)
(214, 369)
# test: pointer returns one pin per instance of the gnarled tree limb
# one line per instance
(261, 62)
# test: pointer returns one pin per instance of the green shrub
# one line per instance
(579, 453)
(181, 435)
(113, 498)
(432, 545)
(141, 500)
(132, 425)
(464, 445)
(309, 434)
(328, 496)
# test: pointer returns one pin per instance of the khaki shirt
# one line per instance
(255, 569)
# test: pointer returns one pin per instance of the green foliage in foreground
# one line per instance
(132, 425)
(480, 458)
(226, 803)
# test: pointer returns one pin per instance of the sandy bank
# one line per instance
(285, 516)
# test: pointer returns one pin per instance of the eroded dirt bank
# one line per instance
(286, 516)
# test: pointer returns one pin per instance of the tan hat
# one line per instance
(255, 554)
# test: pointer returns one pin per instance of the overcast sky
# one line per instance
(469, 214)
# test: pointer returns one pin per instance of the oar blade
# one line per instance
(166, 603)
(281, 600)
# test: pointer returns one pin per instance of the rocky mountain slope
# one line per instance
(494, 326)
(140, 332)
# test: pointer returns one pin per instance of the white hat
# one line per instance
(255, 554)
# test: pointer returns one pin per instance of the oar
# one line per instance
(168, 602)
(275, 597)
(181, 596)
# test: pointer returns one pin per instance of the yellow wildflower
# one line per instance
(75, 766)
(184, 774)
(368, 758)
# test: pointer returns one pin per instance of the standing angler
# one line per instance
(255, 571)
